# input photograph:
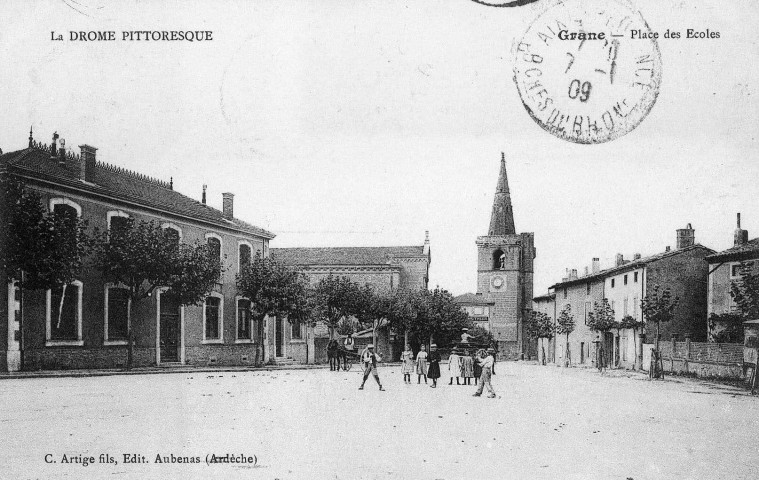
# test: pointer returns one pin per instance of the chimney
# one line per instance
(741, 236)
(596, 265)
(62, 154)
(620, 260)
(666, 249)
(586, 271)
(686, 237)
(87, 165)
(53, 146)
(204, 193)
(636, 256)
(228, 204)
(573, 274)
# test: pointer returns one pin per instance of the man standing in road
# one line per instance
(370, 359)
(487, 370)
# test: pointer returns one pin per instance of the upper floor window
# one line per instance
(245, 254)
(565, 292)
(499, 260)
(296, 333)
(244, 326)
(612, 283)
(117, 220)
(587, 311)
(635, 277)
(214, 244)
(66, 206)
(625, 279)
(172, 231)
(735, 269)
(587, 288)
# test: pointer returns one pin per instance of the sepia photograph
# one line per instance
(379, 239)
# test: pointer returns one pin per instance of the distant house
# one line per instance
(725, 268)
(386, 269)
(683, 271)
(478, 306)
(92, 329)
(546, 304)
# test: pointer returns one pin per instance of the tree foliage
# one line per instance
(601, 319)
(48, 247)
(727, 327)
(629, 322)
(565, 323)
(539, 325)
(438, 317)
(659, 306)
(745, 292)
(336, 298)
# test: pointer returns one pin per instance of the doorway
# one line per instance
(279, 337)
(170, 329)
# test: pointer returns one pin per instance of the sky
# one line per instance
(367, 123)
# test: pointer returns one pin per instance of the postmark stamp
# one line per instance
(588, 71)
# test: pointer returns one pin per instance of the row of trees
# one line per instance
(48, 250)
(657, 306)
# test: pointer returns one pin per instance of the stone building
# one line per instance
(386, 269)
(725, 268)
(477, 306)
(93, 326)
(682, 270)
(505, 273)
(546, 304)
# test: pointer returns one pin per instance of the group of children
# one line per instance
(461, 364)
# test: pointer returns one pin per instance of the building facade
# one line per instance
(91, 330)
(725, 268)
(683, 271)
(477, 307)
(505, 274)
(385, 269)
(546, 347)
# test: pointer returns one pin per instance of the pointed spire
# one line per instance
(502, 218)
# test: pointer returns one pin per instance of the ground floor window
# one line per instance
(243, 320)
(64, 318)
(296, 330)
(212, 318)
(118, 314)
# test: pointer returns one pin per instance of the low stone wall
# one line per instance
(699, 358)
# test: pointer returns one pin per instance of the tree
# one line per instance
(336, 298)
(142, 257)
(274, 290)
(440, 317)
(745, 292)
(601, 320)
(730, 327)
(628, 322)
(565, 325)
(539, 326)
(45, 250)
(658, 306)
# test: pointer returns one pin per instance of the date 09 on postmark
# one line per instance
(580, 73)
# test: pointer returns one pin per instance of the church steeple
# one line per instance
(502, 218)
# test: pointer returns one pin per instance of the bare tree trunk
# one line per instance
(260, 343)
(130, 347)
(60, 306)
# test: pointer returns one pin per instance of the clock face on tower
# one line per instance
(497, 282)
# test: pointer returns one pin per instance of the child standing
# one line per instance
(408, 366)
(434, 370)
(454, 366)
(421, 365)
(467, 368)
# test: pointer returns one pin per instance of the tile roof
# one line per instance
(545, 296)
(122, 185)
(745, 251)
(641, 262)
(345, 255)
(473, 299)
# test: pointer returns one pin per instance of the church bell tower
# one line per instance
(505, 272)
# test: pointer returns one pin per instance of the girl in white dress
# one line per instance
(409, 365)
(421, 365)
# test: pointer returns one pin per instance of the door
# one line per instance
(279, 337)
(170, 329)
(582, 352)
(616, 351)
(608, 347)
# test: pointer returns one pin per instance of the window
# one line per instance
(635, 307)
(635, 277)
(735, 269)
(624, 308)
(212, 319)
(61, 203)
(65, 209)
(64, 322)
(243, 319)
(587, 311)
(296, 330)
(245, 254)
(587, 288)
(173, 231)
(565, 292)
(625, 279)
(117, 220)
(478, 310)
(116, 314)
(214, 244)
(612, 283)
(499, 260)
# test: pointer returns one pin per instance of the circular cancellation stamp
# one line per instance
(588, 71)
